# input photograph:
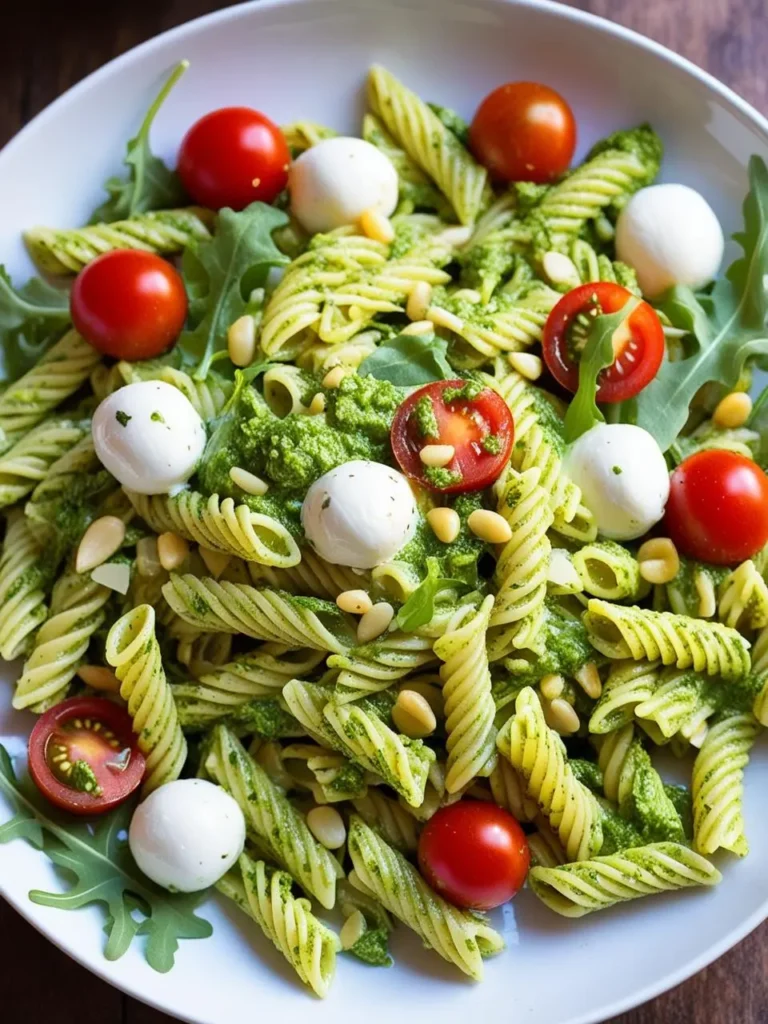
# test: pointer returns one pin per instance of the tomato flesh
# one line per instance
(474, 854)
(233, 157)
(83, 755)
(718, 507)
(638, 344)
(524, 131)
(129, 304)
(470, 417)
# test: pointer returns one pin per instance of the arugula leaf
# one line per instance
(150, 184)
(598, 353)
(419, 609)
(221, 273)
(409, 360)
(728, 325)
(98, 857)
(31, 320)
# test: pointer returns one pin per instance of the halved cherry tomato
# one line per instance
(79, 741)
(475, 854)
(470, 417)
(129, 304)
(233, 157)
(638, 346)
(718, 507)
(524, 131)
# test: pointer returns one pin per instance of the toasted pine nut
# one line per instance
(445, 524)
(419, 327)
(115, 575)
(560, 269)
(375, 622)
(147, 558)
(356, 602)
(327, 826)
(437, 454)
(658, 559)
(413, 716)
(335, 376)
(101, 540)
(418, 302)
(377, 226)
(444, 318)
(248, 482)
(551, 686)
(733, 410)
(562, 573)
(588, 679)
(489, 526)
(527, 364)
(99, 678)
(215, 561)
(705, 588)
(353, 929)
(172, 550)
(317, 405)
(562, 717)
(431, 693)
(241, 341)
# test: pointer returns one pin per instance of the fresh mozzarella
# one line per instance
(149, 436)
(623, 478)
(336, 181)
(359, 514)
(670, 235)
(187, 834)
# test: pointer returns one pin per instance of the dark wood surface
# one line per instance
(45, 48)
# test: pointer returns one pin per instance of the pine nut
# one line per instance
(489, 526)
(562, 717)
(147, 558)
(658, 560)
(527, 364)
(437, 454)
(335, 376)
(241, 341)
(377, 226)
(327, 826)
(99, 678)
(705, 588)
(551, 686)
(562, 573)
(560, 269)
(418, 302)
(444, 318)
(172, 550)
(413, 716)
(375, 622)
(588, 679)
(432, 694)
(215, 561)
(248, 482)
(100, 541)
(114, 575)
(419, 327)
(733, 411)
(317, 405)
(356, 602)
(353, 929)
(445, 524)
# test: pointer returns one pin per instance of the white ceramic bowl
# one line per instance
(307, 59)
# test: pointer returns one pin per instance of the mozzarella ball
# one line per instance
(336, 181)
(187, 834)
(623, 478)
(670, 235)
(359, 514)
(149, 436)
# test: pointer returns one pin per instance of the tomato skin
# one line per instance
(129, 304)
(474, 854)
(718, 507)
(226, 151)
(57, 726)
(462, 423)
(646, 344)
(523, 131)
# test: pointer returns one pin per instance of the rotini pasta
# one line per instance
(373, 667)
(743, 598)
(26, 464)
(393, 821)
(610, 571)
(208, 397)
(25, 575)
(629, 684)
(311, 576)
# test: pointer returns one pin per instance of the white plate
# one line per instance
(307, 59)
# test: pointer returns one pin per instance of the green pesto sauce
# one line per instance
(587, 772)
(440, 476)
(652, 811)
(424, 415)
(457, 560)
(491, 261)
(468, 392)
(266, 718)
(618, 834)
(492, 444)
(681, 799)
(373, 948)
(349, 779)
(83, 779)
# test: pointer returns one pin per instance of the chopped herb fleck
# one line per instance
(617, 470)
(157, 417)
(439, 476)
(492, 444)
(122, 418)
(466, 393)
(424, 416)
(82, 778)
(326, 502)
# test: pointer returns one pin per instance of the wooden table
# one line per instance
(42, 53)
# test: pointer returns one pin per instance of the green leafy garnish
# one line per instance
(728, 325)
(597, 353)
(409, 360)
(221, 274)
(150, 184)
(32, 318)
(419, 609)
(104, 871)
(424, 414)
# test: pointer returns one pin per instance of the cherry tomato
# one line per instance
(524, 131)
(129, 304)
(475, 854)
(81, 740)
(472, 418)
(233, 157)
(638, 350)
(718, 507)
